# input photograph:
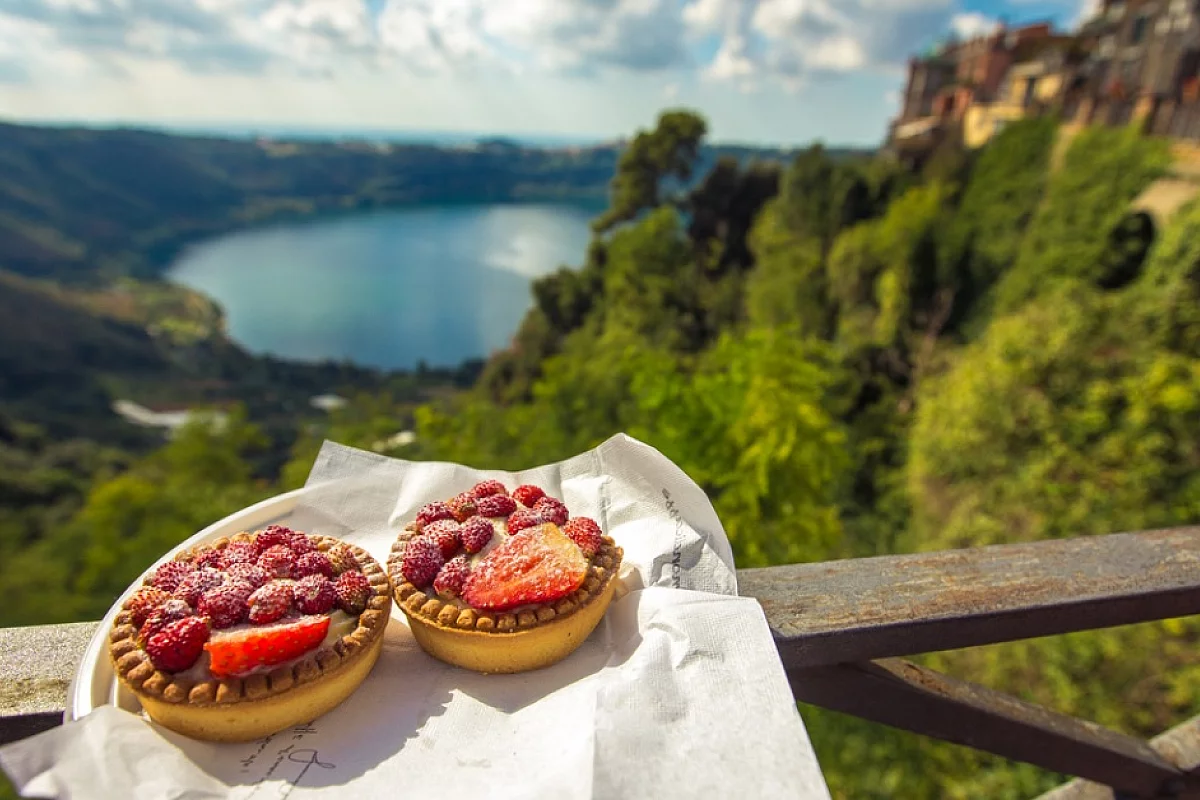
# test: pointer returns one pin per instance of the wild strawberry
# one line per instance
(432, 512)
(584, 532)
(528, 495)
(171, 611)
(270, 602)
(476, 533)
(208, 557)
(239, 652)
(178, 646)
(237, 553)
(487, 489)
(523, 518)
(452, 576)
(168, 576)
(445, 533)
(531, 567)
(301, 544)
(552, 510)
(252, 574)
(197, 583)
(497, 505)
(226, 605)
(314, 594)
(278, 561)
(271, 536)
(342, 559)
(144, 601)
(462, 506)
(421, 562)
(314, 563)
(353, 590)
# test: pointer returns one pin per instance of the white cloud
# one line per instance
(577, 35)
(791, 41)
(732, 60)
(972, 24)
(840, 53)
(745, 44)
(1087, 10)
(712, 16)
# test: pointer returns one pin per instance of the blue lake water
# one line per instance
(388, 288)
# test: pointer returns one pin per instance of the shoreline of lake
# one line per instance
(343, 267)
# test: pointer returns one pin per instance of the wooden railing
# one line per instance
(843, 626)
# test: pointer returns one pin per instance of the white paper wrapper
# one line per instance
(678, 693)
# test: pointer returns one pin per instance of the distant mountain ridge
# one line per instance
(90, 205)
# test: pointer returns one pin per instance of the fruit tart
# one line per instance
(498, 582)
(252, 634)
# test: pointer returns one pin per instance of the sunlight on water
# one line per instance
(387, 289)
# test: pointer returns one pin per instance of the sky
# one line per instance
(761, 71)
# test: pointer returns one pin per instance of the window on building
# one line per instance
(1139, 29)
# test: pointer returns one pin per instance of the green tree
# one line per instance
(127, 522)
(787, 287)
(669, 151)
(882, 273)
(752, 424)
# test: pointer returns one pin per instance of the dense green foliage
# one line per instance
(984, 237)
(1085, 202)
(862, 395)
(849, 358)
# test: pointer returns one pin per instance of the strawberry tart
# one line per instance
(252, 634)
(498, 582)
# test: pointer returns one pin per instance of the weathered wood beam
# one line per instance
(861, 609)
(1180, 746)
(37, 664)
(826, 614)
(905, 695)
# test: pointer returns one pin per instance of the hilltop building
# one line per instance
(1136, 61)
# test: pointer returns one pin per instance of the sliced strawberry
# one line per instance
(538, 565)
(239, 652)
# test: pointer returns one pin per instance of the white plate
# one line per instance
(95, 684)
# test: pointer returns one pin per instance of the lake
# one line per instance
(388, 288)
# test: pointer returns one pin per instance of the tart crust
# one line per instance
(249, 708)
(523, 639)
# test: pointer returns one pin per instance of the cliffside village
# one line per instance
(1135, 61)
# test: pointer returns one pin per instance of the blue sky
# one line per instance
(766, 71)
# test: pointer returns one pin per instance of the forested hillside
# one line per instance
(88, 206)
(852, 358)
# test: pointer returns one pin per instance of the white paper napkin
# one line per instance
(678, 693)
